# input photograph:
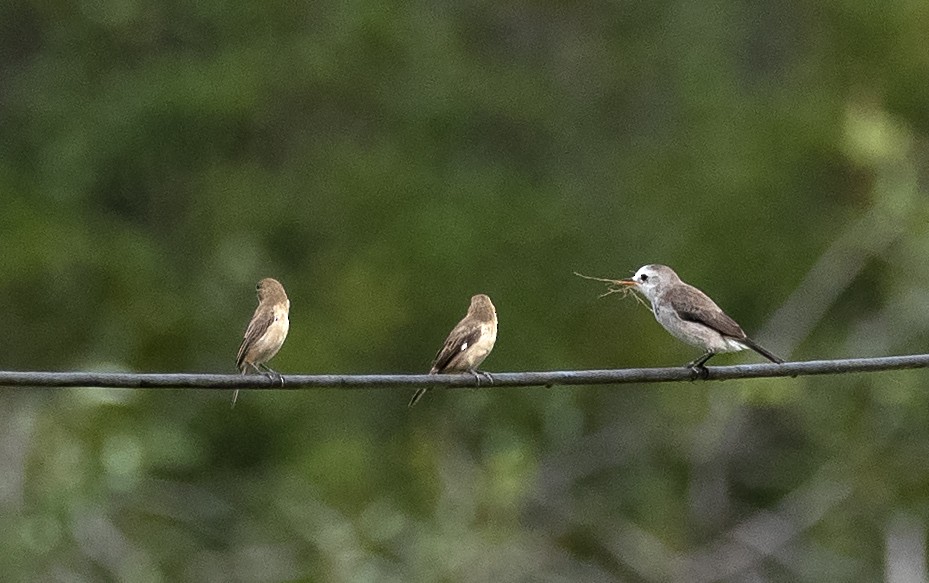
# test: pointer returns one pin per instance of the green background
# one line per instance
(385, 161)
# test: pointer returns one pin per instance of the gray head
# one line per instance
(650, 280)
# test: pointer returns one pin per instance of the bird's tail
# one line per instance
(417, 396)
(243, 367)
(762, 350)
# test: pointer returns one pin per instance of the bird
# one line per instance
(266, 331)
(468, 344)
(690, 315)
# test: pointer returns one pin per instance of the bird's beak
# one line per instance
(627, 282)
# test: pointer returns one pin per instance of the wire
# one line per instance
(464, 380)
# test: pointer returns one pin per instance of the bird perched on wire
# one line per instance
(690, 315)
(468, 344)
(266, 331)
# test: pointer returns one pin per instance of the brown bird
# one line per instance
(690, 315)
(266, 331)
(468, 344)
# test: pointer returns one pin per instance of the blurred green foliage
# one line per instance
(385, 161)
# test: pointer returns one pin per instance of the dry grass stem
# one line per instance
(616, 287)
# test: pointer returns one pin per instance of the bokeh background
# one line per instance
(387, 160)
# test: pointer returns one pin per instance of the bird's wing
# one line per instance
(463, 336)
(695, 306)
(261, 320)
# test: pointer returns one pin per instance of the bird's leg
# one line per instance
(702, 360)
(697, 366)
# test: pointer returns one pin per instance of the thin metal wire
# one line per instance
(503, 379)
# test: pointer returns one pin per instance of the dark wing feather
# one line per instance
(465, 333)
(261, 320)
(695, 306)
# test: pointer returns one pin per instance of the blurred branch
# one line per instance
(905, 550)
(878, 142)
(829, 277)
(508, 379)
(767, 533)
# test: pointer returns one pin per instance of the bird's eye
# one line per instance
(643, 277)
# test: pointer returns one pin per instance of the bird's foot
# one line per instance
(698, 371)
(697, 368)
(273, 374)
(478, 374)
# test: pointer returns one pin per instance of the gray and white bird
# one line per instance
(690, 315)
(468, 344)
